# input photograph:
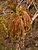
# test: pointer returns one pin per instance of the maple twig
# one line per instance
(30, 4)
(34, 17)
(35, 5)
(19, 4)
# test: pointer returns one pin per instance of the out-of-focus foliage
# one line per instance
(15, 27)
